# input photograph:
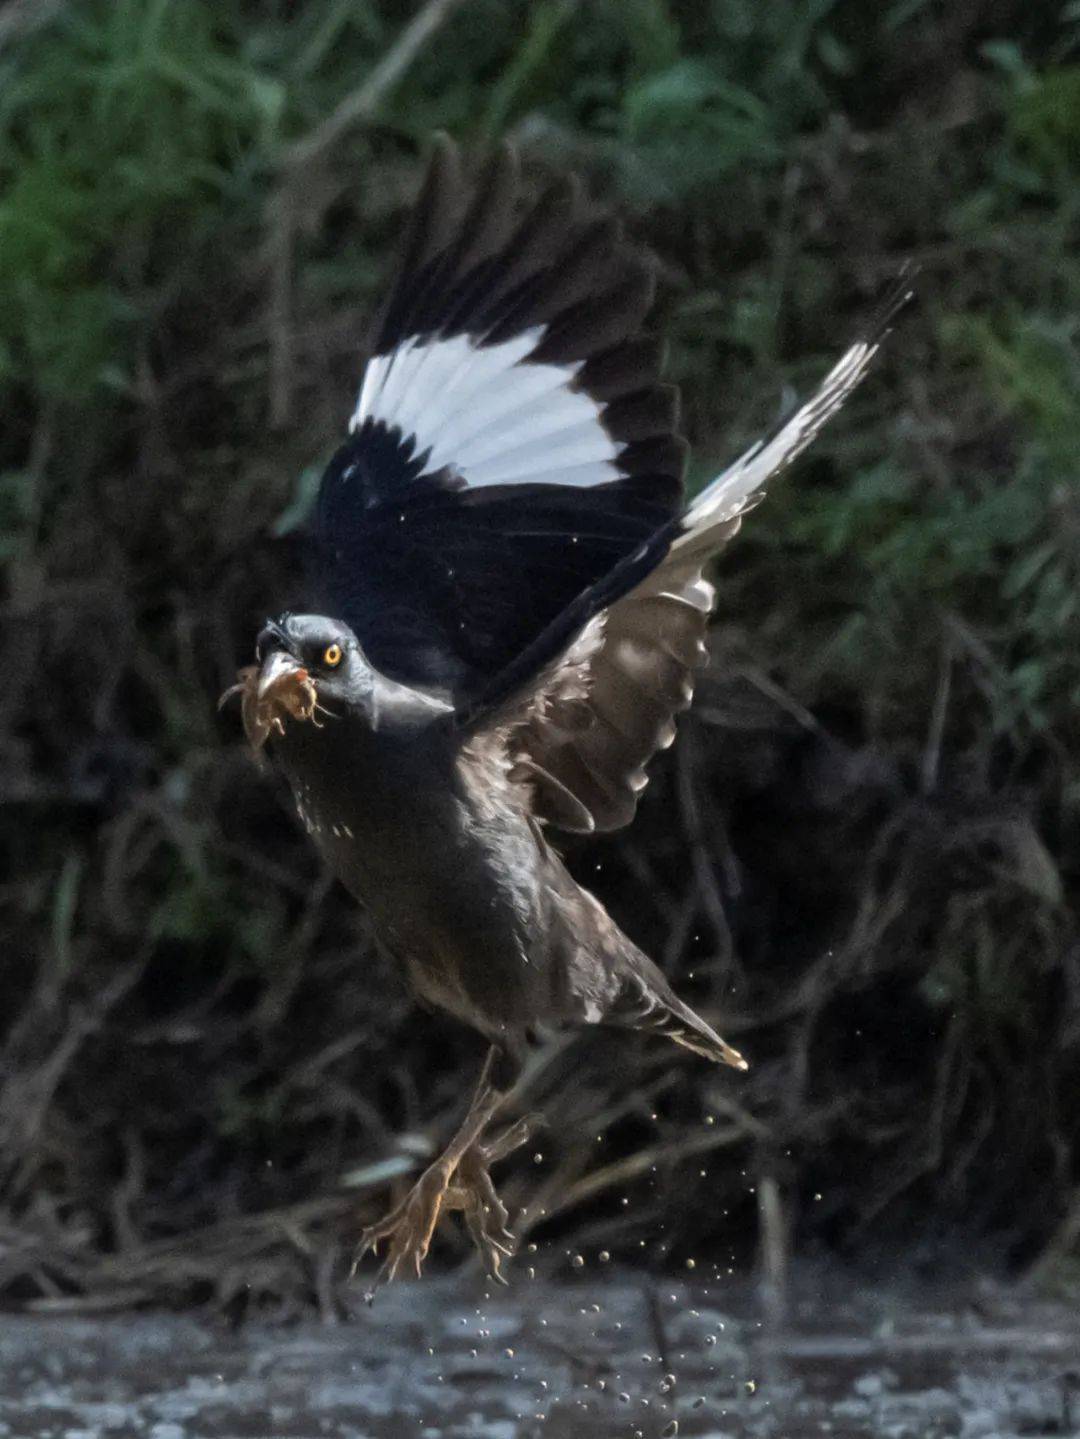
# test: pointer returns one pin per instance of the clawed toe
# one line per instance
(408, 1229)
(493, 1241)
(485, 1213)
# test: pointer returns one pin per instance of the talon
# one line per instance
(367, 1242)
(466, 1185)
(408, 1229)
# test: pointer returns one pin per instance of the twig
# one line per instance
(560, 1197)
(656, 1323)
(288, 209)
(774, 1236)
(938, 715)
(279, 321)
(712, 901)
(22, 17)
(366, 98)
(1062, 1243)
(780, 697)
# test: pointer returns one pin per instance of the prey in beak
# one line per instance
(280, 688)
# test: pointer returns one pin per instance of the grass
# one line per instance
(879, 788)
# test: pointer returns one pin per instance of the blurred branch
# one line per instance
(366, 98)
(22, 17)
(291, 203)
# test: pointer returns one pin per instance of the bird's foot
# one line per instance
(475, 1194)
(466, 1185)
(408, 1227)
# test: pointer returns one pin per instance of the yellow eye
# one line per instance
(331, 656)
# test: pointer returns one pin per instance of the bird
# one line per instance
(512, 606)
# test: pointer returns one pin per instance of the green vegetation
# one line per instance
(880, 789)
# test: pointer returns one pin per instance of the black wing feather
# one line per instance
(451, 575)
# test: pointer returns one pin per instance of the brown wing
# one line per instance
(590, 733)
(583, 738)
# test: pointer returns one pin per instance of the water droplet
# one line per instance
(670, 1431)
(578, 1261)
(691, 1264)
(604, 1256)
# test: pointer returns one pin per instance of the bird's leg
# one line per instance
(458, 1179)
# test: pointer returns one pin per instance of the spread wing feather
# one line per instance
(504, 522)
(512, 460)
(594, 723)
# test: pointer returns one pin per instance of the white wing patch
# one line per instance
(488, 414)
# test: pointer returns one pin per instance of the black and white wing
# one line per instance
(512, 465)
(582, 740)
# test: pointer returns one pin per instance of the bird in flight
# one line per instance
(513, 610)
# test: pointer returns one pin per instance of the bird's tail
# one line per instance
(647, 1002)
(678, 1021)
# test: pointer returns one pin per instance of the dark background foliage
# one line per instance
(862, 857)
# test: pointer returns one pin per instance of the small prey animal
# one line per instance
(513, 610)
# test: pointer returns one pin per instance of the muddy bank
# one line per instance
(581, 1361)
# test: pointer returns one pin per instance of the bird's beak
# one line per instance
(279, 678)
(280, 689)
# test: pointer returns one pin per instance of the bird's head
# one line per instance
(306, 666)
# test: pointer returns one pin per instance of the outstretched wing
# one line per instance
(582, 740)
(512, 464)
